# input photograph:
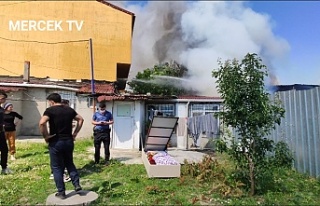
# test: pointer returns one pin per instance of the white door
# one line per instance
(123, 126)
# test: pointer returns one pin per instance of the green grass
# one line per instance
(120, 184)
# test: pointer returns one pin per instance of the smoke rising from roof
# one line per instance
(196, 34)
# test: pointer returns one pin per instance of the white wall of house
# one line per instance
(139, 123)
(181, 134)
(33, 107)
(30, 103)
(84, 108)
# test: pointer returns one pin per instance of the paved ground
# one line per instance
(133, 156)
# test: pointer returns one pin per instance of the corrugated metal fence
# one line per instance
(300, 128)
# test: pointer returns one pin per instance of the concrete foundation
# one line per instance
(73, 198)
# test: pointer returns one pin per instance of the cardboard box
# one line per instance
(160, 132)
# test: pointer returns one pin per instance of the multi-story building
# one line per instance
(54, 37)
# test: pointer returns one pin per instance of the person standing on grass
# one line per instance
(11, 120)
(101, 132)
(3, 142)
(66, 177)
(61, 141)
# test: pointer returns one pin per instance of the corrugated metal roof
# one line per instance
(293, 87)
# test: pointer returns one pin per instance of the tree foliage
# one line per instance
(248, 109)
(162, 79)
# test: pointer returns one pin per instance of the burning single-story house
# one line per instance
(131, 111)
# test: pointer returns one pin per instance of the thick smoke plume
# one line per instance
(197, 34)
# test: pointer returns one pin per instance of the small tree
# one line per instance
(149, 81)
(248, 109)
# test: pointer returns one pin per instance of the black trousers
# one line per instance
(61, 157)
(101, 137)
(4, 151)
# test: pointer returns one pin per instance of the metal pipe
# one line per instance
(91, 66)
(186, 128)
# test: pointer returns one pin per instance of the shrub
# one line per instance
(283, 156)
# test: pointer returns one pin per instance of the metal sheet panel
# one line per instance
(300, 128)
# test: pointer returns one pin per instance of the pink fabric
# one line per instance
(163, 158)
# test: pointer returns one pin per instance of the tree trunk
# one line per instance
(251, 175)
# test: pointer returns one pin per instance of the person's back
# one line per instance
(61, 141)
(60, 121)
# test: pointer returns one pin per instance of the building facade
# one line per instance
(54, 37)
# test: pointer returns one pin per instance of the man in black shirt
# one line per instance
(61, 141)
(3, 143)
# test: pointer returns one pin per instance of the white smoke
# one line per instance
(196, 34)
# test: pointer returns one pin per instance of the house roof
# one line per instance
(100, 88)
(132, 97)
(36, 80)
(278, 88)
(115, 7)
(103, 90)
(11, 89)
(189, 98)
(198, 97)
(116, 97)
(184, 98)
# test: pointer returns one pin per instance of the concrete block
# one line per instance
(83, 197)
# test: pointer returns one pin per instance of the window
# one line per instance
(69, 95)
(72, 99)
(199, 109)
(92, 101)
(167, 110)
(124, 110)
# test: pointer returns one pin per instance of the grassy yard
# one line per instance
(118, 184)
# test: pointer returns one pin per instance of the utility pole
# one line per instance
(92, 75)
